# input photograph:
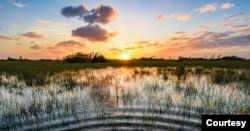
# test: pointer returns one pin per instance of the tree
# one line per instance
(11, 59)
(232, 58)
(85, 58)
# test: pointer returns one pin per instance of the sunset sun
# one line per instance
(125, 56)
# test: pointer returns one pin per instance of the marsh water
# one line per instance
(124, 98)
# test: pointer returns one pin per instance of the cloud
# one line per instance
(116, 50)
(142, 42)
(243, 40)
(215, 35)
(55, 50)
(245, 20)
(179, 36)
(183, 17)
(51, 47)
(50, 25)
(69, 43)
(199, 43)
(227, 6)
(205, 27)
(207, 8)
(41, 21)
(32, 34)
(133, 48)
(79, 11)
(1, 28)
(170, 16)
(5, 37)
(159, 17)
(180, 33)
(18, 4)
(156, 44)
(207, 40)
(127, 49)
(101, 14)
(35, 47)
(92, 33)
(233, 16)
(146, 44)
(239, 28)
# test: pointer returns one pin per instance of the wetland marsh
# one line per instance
(122, 98)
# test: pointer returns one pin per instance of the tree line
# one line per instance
(79, 57)
(94, 57)
(228, 58)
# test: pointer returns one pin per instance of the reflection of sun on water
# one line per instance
(125, 56)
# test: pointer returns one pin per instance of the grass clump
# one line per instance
(190, 90)
(180, 72)
(221, 76)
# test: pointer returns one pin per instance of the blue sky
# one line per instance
(38, 29)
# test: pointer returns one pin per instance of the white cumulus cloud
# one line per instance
(207, 8)
(227, 6)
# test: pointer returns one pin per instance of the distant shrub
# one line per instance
(11, 59)
(227, 58)
(85, 58)
(235, 58)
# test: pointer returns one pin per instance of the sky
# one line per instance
(53, 29)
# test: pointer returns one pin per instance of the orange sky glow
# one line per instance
(50, 29)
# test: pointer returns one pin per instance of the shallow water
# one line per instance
(121, 99)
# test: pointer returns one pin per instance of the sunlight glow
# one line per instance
(125, 56)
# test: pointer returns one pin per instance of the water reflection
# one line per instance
(123, 98)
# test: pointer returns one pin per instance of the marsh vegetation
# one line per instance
(120, 97)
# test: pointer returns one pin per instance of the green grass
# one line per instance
(57, 65)
(39, 70)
